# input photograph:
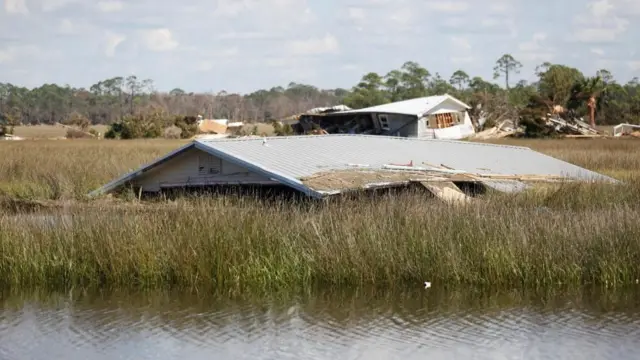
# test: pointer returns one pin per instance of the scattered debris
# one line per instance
(573, 126)
(293, 119)
(427, 284)
(10, 137)
(551, 125)
(622, 130)
(504, 129)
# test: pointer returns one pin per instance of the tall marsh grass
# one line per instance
(239, 244)
(567, 236)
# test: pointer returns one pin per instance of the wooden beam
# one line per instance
(446, 191)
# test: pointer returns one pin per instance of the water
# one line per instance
(425, 324)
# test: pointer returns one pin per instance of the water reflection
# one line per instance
(357, 325)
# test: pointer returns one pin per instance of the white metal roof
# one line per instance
(287, 159)
(417, 107)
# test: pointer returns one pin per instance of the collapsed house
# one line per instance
(624, 130)
(294, 119)
(432, 117)
(325, 165)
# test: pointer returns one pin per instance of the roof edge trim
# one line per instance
(139, 171)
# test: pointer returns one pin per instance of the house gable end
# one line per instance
(195, 167)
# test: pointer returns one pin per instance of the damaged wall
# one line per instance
(398, 125)
(459, 131)
(196, 167)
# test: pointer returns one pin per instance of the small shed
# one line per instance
(323, 165)
(431, 117)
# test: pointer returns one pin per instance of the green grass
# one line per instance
(555, 237)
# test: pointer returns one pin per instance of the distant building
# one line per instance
(432, 117)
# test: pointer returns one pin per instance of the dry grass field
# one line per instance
(49, 131)
(567, 236)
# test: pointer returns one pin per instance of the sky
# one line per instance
(246, 45)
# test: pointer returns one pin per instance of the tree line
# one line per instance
(122, 99)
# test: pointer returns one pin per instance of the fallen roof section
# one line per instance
(328, 164)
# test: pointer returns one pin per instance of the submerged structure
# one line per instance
(324, 165)
(432, 117)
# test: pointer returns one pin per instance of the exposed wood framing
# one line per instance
(446, 191)
(441, 121)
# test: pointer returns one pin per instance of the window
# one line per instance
(208, 165)
(384, 122)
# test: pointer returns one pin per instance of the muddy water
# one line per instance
(421, 324)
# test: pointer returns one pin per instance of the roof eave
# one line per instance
(141, 170)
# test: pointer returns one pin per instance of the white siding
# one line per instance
(447, 107)
(455, 132)
(185, 169)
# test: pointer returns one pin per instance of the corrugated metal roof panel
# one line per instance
(299, 156)
(416, 107)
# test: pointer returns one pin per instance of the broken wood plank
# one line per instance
(446, 191)
(590, 136)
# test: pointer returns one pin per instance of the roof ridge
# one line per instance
(279, 138)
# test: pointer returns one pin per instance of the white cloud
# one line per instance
(356, 13)
(500, 7)
(461, 42)
(13, 54)
(204, 65)
(350, 67)
(600, 22)
(216, 58)
(605, 63)
(489, 22)
(50, 5)
(462, 59)
(5, 56)
(16, 7)
(110, 6)
(230, 52)
(66, 27)
(606, 34)
(631, 7)
(536, 56)
(448, 6)
(534, 44)
(112, 40)
(272, 12)
(402, 16)
(600, 8)
(232, 8)
(634, 65)
(315, 46)
(73, 27)
(159, 40)
(249, 35)
(597, 51)
(535, 50)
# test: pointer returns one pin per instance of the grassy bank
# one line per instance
(570, 236)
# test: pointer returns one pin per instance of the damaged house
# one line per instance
(325, 165)
(432, 117)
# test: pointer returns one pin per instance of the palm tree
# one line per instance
(589, 89)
